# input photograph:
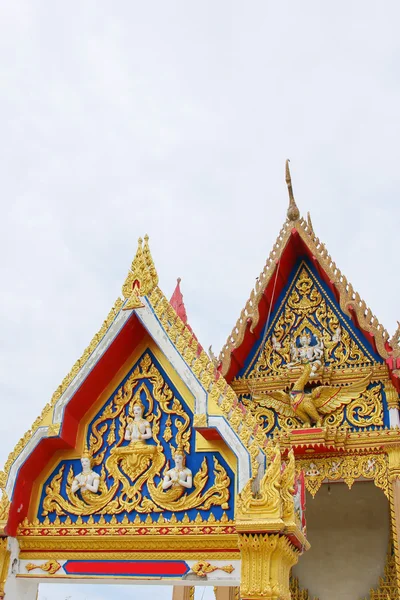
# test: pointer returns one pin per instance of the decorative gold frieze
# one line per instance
(348, 468)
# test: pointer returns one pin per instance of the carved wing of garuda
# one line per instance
(326, 398)
(279, 401)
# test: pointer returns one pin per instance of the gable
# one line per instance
(307, 318)
(131, 474)
(306, 306)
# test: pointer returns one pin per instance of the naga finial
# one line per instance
(293, 212)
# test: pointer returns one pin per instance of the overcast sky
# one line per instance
(175, 118)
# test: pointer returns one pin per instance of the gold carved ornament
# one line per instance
(348, 468)
(142, 277)
(322, 400)
(308, 310)
(202, 568)
(261, 511)
(128, 471)
(308, 313)
(51, 567)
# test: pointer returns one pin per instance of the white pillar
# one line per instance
(394, 420)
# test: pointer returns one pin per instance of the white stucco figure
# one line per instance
(87, 480)
(138, 429)
(179, 475)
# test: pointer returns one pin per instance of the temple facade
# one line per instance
(156, 462)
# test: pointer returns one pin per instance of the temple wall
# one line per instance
(349, 532)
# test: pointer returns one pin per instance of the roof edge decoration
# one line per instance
(45, 415)
(350, 301)
(143, 296)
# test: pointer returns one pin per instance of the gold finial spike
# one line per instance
(142, 277)
(293, 212)
(149, 262)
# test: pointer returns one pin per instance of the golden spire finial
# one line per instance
(149, 261)
(293, 212)
(142, 277)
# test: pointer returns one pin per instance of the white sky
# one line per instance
(175, 118)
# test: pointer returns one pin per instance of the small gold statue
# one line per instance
(87, 480)
(138, 429)
(179, 475)
(311, 407)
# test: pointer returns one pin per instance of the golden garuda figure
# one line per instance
(310, 407)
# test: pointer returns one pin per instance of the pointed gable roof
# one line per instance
(143, 311)
(297, 239)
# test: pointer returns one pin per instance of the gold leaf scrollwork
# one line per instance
(307, 307)
(131, 477)
(367, 409)
(51, 567)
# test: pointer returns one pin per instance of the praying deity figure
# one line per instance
(138, 430)
(179, 475)
(88, 480)
(306, 353)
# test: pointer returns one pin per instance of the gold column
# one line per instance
(4, 563)
(270, 539)
(226, 593)
(183, 592)
(394, 498)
